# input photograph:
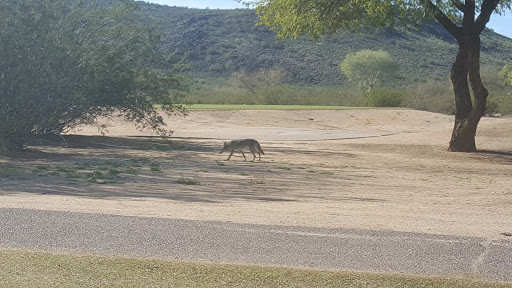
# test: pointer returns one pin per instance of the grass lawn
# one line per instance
(269, 107)
(42, 269)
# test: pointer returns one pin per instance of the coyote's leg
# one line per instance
(254, 155)
(245, 159)
(230, 154)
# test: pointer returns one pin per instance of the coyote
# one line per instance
(239, 145)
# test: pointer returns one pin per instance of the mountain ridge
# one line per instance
(220, 42)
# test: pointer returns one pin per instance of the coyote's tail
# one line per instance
(259, 148)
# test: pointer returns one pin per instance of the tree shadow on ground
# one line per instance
(108, 142)
(504, 157)
(310, 152)
(219, 181)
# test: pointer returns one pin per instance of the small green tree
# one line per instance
(368, 67)
(506, 75)
(63, 65)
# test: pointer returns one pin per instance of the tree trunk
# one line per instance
(465, 74)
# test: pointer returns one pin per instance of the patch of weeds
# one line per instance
(220, 163)
(137, 162)
(73, 175)
(101, 173)
(187, 181)
(244, 174)
(6, 169)
(257, 182)
(155, 167)
(131, 171)
(99, 178)
(285, 168)
(325, 172)
(65, 170)
(40, 168)
(113, 171)
(94, 176)
(311, 171)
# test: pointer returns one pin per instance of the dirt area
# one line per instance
(404, 180)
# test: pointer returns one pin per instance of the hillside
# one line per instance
(221, 42)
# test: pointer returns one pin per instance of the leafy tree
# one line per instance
(506, 74)
(368, 67)
(62, 65)
(463, 19)
(257, 80)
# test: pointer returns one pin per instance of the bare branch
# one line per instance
(451, 27)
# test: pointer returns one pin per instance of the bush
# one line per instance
(433, 96)
(63, 65)
(277, 95)
(492, 107)
(384, 98)
(499, 104)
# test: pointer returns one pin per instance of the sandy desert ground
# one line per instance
(391, 171)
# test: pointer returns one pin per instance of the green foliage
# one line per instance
(155, 167)
(277, 95)
(221, 93)
(506, 75)
(64, 65)
(292, 18)
(101, 173)
(384, 98)
(423, 94)
(369, 68)
(433, 96)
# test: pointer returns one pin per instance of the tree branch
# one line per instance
(453, 29)
(488, 6)
(459, 5)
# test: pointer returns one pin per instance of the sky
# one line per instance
(500, 24)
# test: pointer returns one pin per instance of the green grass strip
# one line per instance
(26, 269)
(269, 107)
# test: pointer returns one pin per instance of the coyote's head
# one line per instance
(224, 147)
